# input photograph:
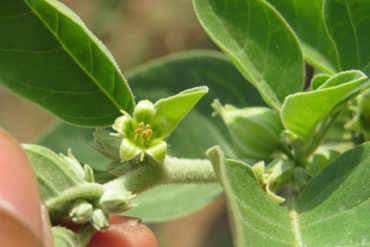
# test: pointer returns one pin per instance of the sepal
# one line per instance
(116, 201)
(254, 131)
(100, 220)
(106, 144)
(81, 212)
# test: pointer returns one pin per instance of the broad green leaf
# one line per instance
(306, 19)
(302, 112)
(53, 174)
(333, 209)
(348, 24)
(256, 219)
(193, 136)
(48, 56)
(259, 42)
(169, 202)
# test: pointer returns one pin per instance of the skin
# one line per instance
(24, 219)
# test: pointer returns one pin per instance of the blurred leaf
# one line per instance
(62, 136)
(169, 202)
(259, 42)
(302, 112)
(306, 19)
(48, 56)
(348, 27)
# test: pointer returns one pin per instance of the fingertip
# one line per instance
(15, 231)
(125, 232)
(18, 183)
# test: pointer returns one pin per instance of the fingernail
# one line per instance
(131, 221)
(46, 226)
(15, 230)
(124, 220)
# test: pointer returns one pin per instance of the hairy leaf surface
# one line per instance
(331, 211)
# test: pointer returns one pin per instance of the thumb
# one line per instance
(20, 204)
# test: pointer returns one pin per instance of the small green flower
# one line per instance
(145, 133)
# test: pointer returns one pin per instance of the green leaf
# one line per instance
(49, 57)
(255, 218)
(302, 112)
(259, 42)
(318, 80)
(347, 25)
(169, 202)
(334, 206)
(170, 111)
(331, 211)
(53, 174)
(306, 19)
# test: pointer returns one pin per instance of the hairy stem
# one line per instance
(89, 191)
(172, 171)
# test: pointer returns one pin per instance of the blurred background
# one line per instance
(135, 31)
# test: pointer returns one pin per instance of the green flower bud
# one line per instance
(81, 211)
(107, 145)
(116, 201)
(254, 131)
(100, 220)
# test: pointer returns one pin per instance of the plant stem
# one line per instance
(89, 191)
(172, 171)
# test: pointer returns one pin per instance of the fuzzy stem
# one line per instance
(172, 171)
(88, 191)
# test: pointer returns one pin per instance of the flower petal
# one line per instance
(124, 125)
(157, 152)
(128, 150)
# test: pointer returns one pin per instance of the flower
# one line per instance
(143, 135)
